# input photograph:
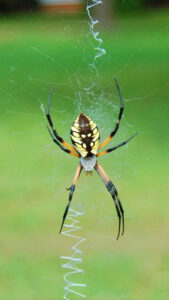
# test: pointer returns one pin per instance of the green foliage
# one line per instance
(43, 51)
(137, 5)
(128, 5)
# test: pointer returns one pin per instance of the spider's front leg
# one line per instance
(112, 134)
(56, 137)
(112, 190)
(71, 189)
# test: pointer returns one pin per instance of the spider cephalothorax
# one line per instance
(85, 139)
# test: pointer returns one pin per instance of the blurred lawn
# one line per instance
(38, 52)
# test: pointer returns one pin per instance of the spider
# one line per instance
(85, 138)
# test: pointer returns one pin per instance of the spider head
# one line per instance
(88, 163)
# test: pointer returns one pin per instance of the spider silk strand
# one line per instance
(72, 262)
(96, 34)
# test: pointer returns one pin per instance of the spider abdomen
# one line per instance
(85, 136)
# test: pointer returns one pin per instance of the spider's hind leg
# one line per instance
(112, 190)
(71, 189)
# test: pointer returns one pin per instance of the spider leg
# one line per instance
(72, 189)
(52, 127)
(112, 190)
(103, 144)
(61, 147)
(111, 186)
(117, 146)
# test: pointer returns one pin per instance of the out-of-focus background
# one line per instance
(49, 43)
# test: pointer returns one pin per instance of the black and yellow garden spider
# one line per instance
(85, 138)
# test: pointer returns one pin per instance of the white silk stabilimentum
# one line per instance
(73, 261)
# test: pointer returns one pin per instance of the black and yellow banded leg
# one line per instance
(117, 146)
(71, 189)
(60, 146)
(111, 187)
(112, 134)
(112, 190)
(71, 148)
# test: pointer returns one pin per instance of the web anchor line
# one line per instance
(96, 34)
(72, 262)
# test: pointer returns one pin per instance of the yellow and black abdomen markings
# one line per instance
(85, 136)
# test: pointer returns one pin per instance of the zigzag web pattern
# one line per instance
(73, 261)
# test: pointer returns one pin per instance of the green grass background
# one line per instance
(37, 52)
